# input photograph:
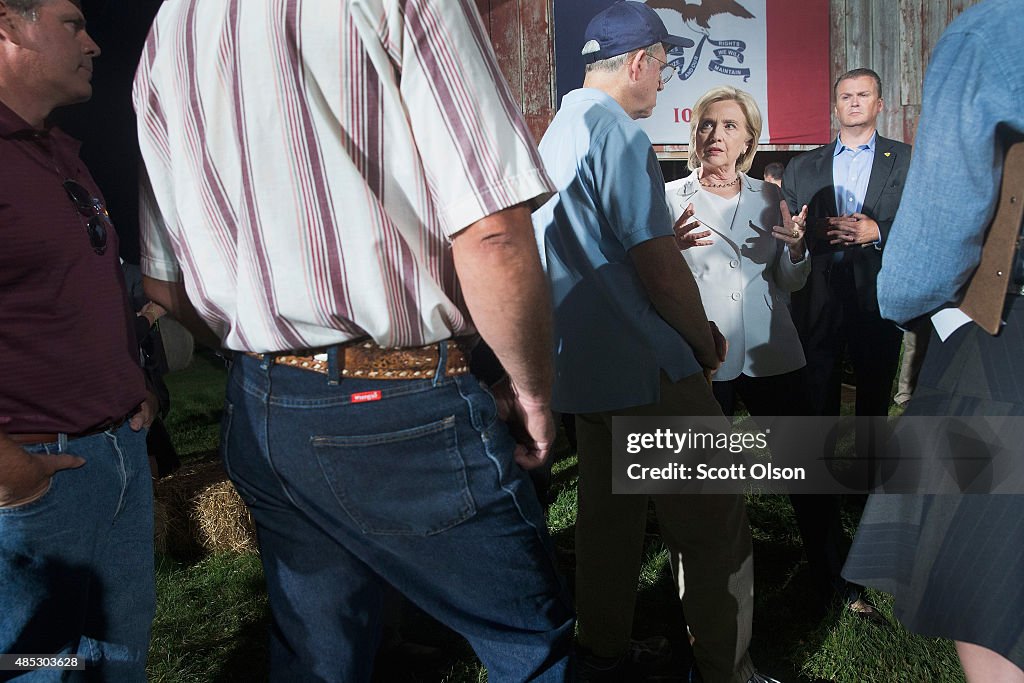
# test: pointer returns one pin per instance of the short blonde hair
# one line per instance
(751, 113)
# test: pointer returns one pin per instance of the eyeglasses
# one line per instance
(666, 71)
(99, 224)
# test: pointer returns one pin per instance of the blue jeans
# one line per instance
(415, 489)
(76, 566)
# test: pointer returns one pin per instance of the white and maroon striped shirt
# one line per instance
(308, 161)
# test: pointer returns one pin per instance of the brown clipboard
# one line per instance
(985, 297)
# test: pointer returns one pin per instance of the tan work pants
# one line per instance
(708, 537)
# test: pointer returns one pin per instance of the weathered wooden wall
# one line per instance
(522, 32)
(893, 37)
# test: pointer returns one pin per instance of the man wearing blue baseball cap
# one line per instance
(632, 339)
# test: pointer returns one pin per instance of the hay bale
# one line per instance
(198, 511)
(223, 520)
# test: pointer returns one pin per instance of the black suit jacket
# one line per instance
(808, 180)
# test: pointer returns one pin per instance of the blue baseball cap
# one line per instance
(623, 27)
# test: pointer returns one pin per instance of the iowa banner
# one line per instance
(777, 50)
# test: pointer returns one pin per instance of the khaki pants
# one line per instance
(708, 537)
(915, 345)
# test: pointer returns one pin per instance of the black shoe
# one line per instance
(761, 678)
(755, 677)
(641, 657)
(593, 669)
(398, 659)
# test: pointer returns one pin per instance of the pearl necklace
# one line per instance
(734, 181)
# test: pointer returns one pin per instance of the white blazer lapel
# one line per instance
(748, 211)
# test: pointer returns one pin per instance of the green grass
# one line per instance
(197, 401)
(212, 615)
(892, 655)
(211, 620)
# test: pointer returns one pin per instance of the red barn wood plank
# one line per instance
(538, 47)
(911, 60)
(507, 37)
(885, 60)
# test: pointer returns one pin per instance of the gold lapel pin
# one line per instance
(888, 154)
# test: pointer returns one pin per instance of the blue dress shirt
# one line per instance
(851, 169)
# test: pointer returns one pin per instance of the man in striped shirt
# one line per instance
(352, 279)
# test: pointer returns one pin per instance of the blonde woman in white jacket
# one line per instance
(746, 253)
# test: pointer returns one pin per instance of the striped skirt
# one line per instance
(955, 563)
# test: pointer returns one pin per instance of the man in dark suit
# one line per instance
(852, 188)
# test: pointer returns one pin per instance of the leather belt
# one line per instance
(37, 438)
(368, 360)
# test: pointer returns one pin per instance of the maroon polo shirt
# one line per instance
(68, 361)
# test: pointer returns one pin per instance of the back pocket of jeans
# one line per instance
(409, 482)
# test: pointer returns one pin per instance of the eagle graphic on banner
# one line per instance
(701, 13)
